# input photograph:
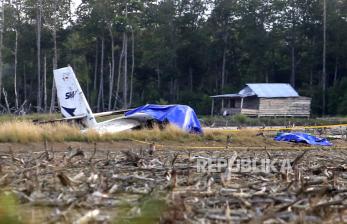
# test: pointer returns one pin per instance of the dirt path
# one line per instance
(258, 143)
(36, 147)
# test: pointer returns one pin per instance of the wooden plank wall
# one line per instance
(291, 106)
(250, 112)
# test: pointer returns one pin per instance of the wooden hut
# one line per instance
(263, 99)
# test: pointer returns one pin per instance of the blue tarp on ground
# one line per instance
(300, 137)
(182, 116)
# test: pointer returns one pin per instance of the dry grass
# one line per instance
(25, 132)
(29, 117)
(156, 134)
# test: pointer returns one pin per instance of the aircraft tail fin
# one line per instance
(71, 98)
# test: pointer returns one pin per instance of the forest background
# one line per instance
(131, 52)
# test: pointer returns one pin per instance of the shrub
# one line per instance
(240, 118)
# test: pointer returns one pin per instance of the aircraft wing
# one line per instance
(79, 117)
(114, 126)
(122, 123)
(110, 126)
(109, 113)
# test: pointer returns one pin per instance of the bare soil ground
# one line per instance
(128, 182)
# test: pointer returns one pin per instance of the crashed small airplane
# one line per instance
(74, 106)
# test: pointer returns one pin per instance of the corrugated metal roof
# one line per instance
(236, 95)
(269, 90)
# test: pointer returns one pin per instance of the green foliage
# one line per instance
(338, 98)
(9, 209)
(240, 118)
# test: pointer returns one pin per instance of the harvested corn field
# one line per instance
(129, 183)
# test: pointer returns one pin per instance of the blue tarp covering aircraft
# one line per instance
(181, 116)
(300, 137)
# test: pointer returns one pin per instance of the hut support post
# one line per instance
(241, 105)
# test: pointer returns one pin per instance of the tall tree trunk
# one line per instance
(336, 71)
(100, 103)
(96, 65)
(95, 72)
(311, 79)
(120, 62)
(15, 69)
(191, 79)
(109, 78)
(312, 58)
(267, 76)
(158, 76)
(223, 69)
(24, 82)
(171, 91)
(292, 75)
(55, 60)
(125, 83)
(2, 24)
(324, 58)
(88, 83)
(111, 70)
(45, 83)
(38, 46)
(176, 90)
(6, 101)
(132, 67)
(217, 83)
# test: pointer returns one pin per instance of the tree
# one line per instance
(100, 102)
(2, 22)
(12, 11)
(56, 14)
(128, 53)
(324, 81)
(38, 48)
